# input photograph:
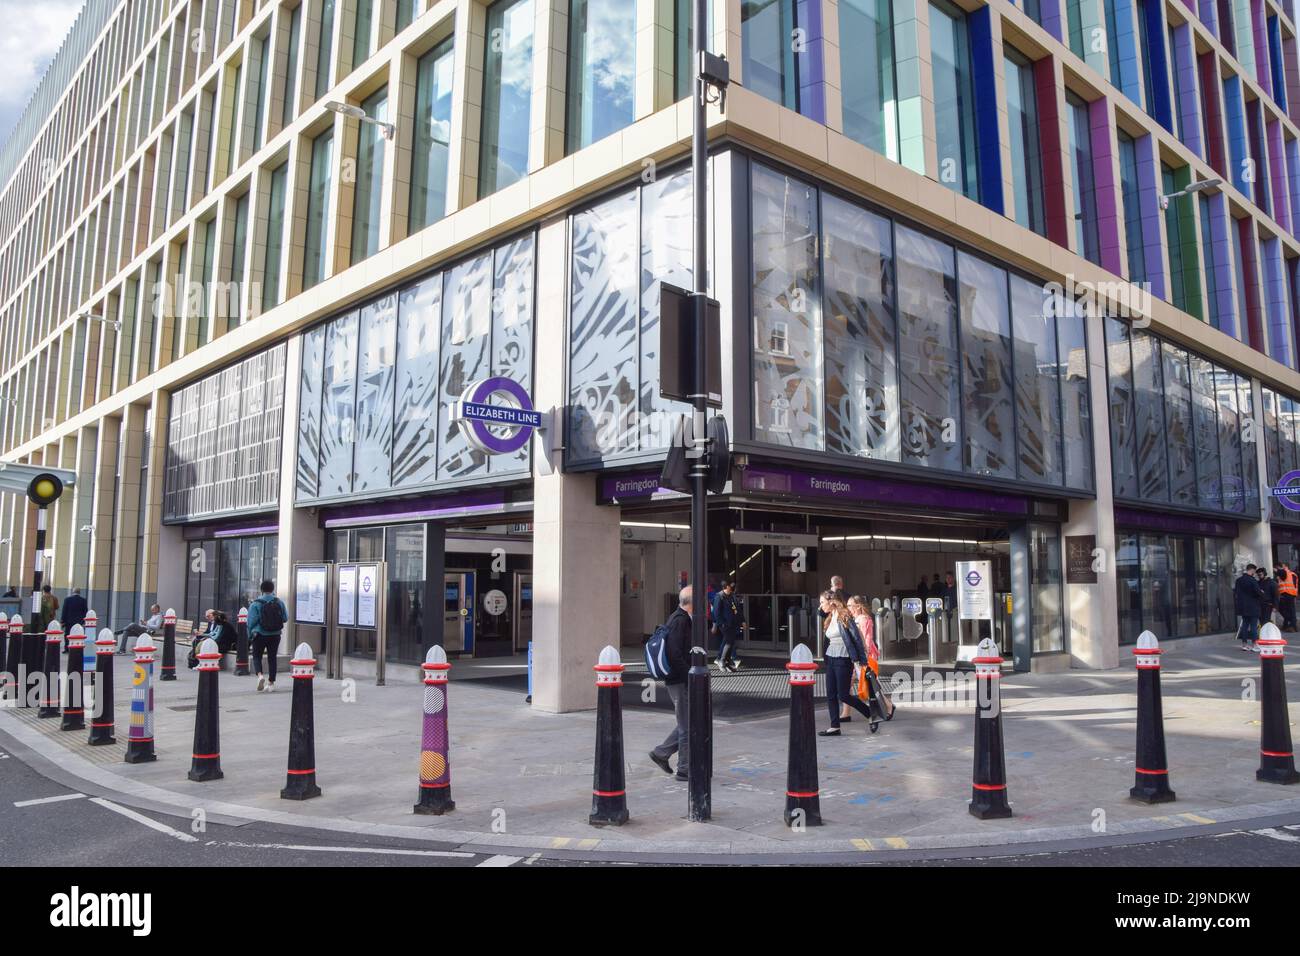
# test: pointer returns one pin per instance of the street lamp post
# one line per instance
(357, 113)
(1196, 187)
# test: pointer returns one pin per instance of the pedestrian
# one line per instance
(74, 613)
(729, 619)
(209, 617)
(677, 651)
(149, 625)
(837, 588)
(49, 607)
(266, 618)
(1268, 587)
(844, 648)
(949, 594)
(923, 590)
(1288, 585)
(1248, 599)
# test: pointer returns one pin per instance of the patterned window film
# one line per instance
(223, 441)
(379, 383)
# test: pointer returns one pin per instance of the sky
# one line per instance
(32, 32)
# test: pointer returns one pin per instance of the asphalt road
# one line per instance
(45, 823)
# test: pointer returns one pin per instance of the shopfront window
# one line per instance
(225, 574)
(602, 67)
(402, 549)
(1281, 416)
(1046, 588)
(1038, 385)
(1174, 585)
(990, 434)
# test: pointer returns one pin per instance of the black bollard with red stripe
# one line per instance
(241, 643)
(802, 794)
(989, 783)
(50, 671)
(608, 785)
(1151, 774)
(300, 782)
(4, 664)
(168, 668)
(206, 762)
(33, 666)
(1276, 760)
(74, 681)
(15, 675)
(101, 716)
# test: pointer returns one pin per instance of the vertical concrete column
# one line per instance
(154, 475)
(126, 511)
(550, 81)
(914, 89)
(402, 74)
(102, 516)
(467, 107)
(833, 101)
(575, 541)
(655, 83)
(62, 529)
(1092, 610)
(301, 539)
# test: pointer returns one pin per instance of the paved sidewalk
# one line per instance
(522, 778)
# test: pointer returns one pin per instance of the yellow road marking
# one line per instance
(1196, 818)
(898, 843)
(559, 843)
(589, 844)
(862, 844)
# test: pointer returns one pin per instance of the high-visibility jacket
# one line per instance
(1289, 584)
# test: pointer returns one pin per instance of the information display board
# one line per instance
(309, 586)
(367, 596)
(975, 590)
(347, 587)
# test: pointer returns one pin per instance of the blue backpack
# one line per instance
(656, 653)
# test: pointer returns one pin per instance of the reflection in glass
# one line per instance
(1046, 588)
(771, 66)
(337, 427)
(1205, 412)
(1076, 409)
(1148, 393)
(990, 433)
(309, 410)
(861, 371)
(602, 66)
(867, 75)
(316, 256)
(1178, 421)
(507, 94)
(954, 99)
(1038, 385)
(368, 194)
(1123, 424)
(431, 151)
(927, 319)
(787, 314)
(374, 425)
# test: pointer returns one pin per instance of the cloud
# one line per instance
(33, 33)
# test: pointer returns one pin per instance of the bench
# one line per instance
(184, 632)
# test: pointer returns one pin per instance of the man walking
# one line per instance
(729, 618)
(1287, 586)
(677, 645)
(74, 613)
(1249, 601)
(266, 617)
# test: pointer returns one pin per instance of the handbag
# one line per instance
(882, 701)
(863, 689)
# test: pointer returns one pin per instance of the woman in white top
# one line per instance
(844, 648)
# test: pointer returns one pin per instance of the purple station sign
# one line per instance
(851, 488)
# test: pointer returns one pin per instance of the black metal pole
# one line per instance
(699, 721)
(699, 729)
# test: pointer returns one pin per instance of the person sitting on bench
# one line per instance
(150, 625)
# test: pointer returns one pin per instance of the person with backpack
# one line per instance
(266, 619)
(668, 659)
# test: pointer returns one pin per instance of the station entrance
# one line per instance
(904, 566)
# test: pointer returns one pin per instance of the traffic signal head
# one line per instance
(44, 490)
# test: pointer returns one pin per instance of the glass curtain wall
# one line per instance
(1280, 432)
(954, 99)
(316, 254)
(602, 70)
(868, 86)
(432, 149)
(876, 340)
(368, 194)
(507, 94)
(1026, 143)
(771, 63)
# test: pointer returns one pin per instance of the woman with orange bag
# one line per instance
(844, 649)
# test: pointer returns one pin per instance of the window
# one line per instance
(954, 100)
(771, 67)
(233, 113)
(779, 341)
(325, 49)
(1180, 236)
(1208, 256)
(987, 399)
(1149, 56)
(274, 238)
(1074, 17)
(602, 65)
(1085, 197)
(291, 77)
(507, 95)
(361, 35)
(429, 157)
(1112, 42)
(318, 199)
(368, 195)
(237, 258)
(1026, 147)
(405, 14)
(868, 87)
(1128, 169)
(259, 115)
(209, 254)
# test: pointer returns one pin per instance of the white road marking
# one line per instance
(58, 799)
(1277, 835)
(345, 849)
(141, 818)
(500, 861)
(532, 859)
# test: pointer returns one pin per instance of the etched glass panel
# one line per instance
(1205, 411)
(337, 427)
(1148, 393)
(1076, 410)
(666, 256)
(309, 408)
(927, 317)
(415, 456)
(466, 334)
(788, 385)
(375, 394)
(603, 331)
(512, 332)
(1178, 421)
(990, 431)
(861, 370)
(1230, 444)
(1038, 384)
(1123, 419)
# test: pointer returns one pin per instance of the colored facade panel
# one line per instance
(1212, 113)
(1058, 227)
(1186, 94)
(1276, 305)
(1234, 113)
(986, 110)
(1277, 176)
(1148, 176)
(1106, 187)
